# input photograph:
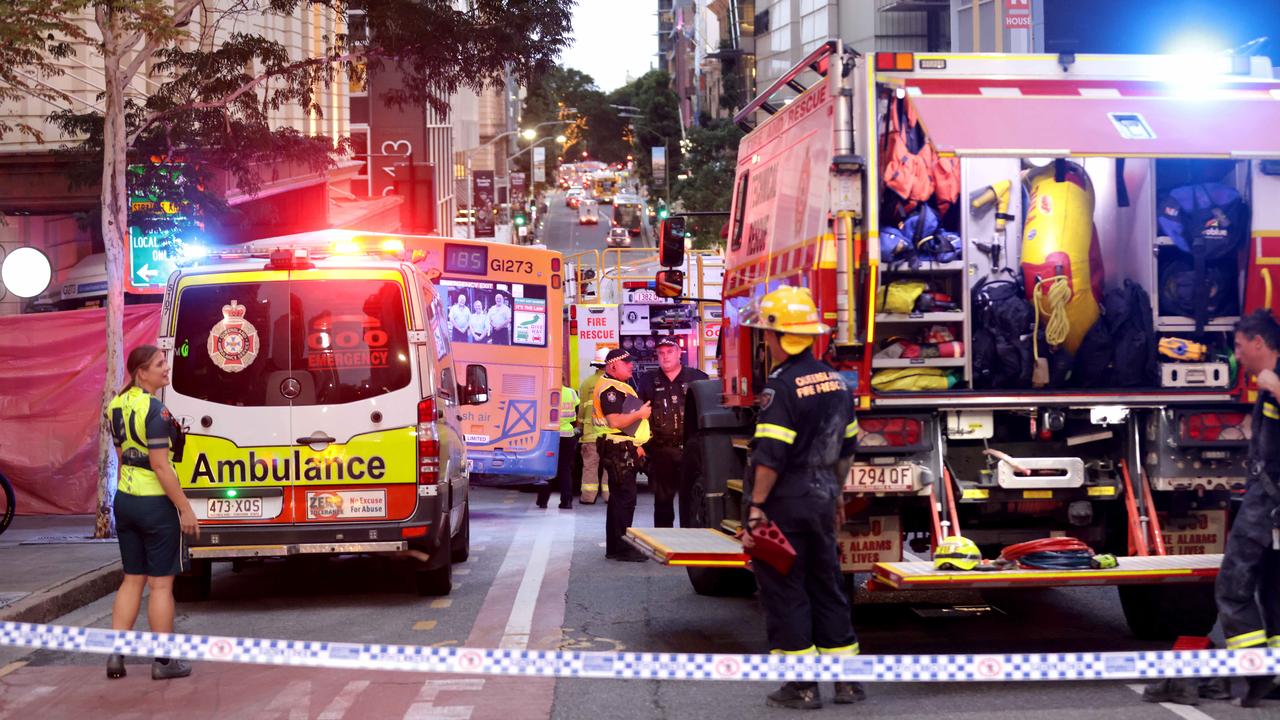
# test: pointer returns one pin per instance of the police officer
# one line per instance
(803, 447)
(665, 389)
(1248, 586)
(151, 511)
(624, 424)
(594, 481)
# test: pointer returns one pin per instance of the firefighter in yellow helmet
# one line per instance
(802, 451)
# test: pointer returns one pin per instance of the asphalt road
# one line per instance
(538, 579)
(562, 232)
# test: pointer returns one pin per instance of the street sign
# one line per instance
(1017, 14)
(149, 262)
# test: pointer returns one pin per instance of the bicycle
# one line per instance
(6, 503)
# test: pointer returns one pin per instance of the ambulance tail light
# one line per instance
(890, 434)
(1213, 428)
(428, 443)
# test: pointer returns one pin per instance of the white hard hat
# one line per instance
(602, 353)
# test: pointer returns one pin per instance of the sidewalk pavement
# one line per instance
(51, 565)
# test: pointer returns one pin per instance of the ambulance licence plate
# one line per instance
(882, 478)
(234, 508)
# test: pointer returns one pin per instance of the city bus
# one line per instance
(502, 309)
(629, 212)
(604, 184)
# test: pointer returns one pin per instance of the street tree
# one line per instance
(658, 124)
(205, 105)
(708, 185)
(35, 35)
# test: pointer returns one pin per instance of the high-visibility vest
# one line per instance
(642, 434)
(586, 416)
(568, 410)
(127, 414)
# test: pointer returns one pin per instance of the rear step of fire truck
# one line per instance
(1147, 563)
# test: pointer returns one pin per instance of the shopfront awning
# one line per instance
(975, 117)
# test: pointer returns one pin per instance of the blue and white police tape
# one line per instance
(650, 666)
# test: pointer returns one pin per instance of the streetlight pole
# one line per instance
(471, 226)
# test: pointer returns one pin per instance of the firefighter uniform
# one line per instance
(568, 449)
(620, 457)
(665, 452)
(1248, 585)
(805, 429)
(593, 481)
(147, 524)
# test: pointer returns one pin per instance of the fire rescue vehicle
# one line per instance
(1032, 265)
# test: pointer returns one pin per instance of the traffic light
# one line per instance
(671, 242)
(663, 212)
(519, 219)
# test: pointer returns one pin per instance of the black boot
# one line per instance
(1215, 689)
(1183, 691)
(796, 696)
(115, 666)
(848, 693)
(1258, 687)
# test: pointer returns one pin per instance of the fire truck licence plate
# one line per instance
(882, 478)
(227, 508)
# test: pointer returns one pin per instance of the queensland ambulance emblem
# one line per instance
(233, 342)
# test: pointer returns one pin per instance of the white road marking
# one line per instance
(338, 707)
(1186, 712)
(423, 707)
(520, 623)
(294, 702)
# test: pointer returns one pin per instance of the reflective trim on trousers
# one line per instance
(811, 650)
(851, 430)
(846, 650)
(1273, 641)
(1247, 640)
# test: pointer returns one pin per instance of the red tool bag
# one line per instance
(772, 548)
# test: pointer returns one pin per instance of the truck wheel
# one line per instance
(1165, 612)
(436, 579)
(722, 582)
(462, 544)
(196, 584)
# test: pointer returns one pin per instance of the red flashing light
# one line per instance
(895, 62)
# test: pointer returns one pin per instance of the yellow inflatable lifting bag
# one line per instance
(900, 296)
(916, 379)
(1059, 241)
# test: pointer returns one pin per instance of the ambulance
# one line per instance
(321, 408)
(1091, 401)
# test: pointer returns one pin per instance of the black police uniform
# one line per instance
(806, 426)
(665, 452)
(1248, 586)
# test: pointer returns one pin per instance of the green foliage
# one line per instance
(710, 161)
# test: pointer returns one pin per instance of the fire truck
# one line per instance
(612, 300)
(1064, 165)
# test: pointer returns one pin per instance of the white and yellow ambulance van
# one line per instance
(321, 406)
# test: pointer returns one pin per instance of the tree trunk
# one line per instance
(115, 228)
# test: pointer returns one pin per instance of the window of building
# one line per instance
(781, 14)
(814, 27)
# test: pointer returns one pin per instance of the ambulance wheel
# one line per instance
(1165, 612)
(196, 584)
(436, 579)
(722, 582)
(462, 544)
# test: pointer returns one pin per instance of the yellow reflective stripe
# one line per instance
(851, 430)
(1271, 411)
(811, 650)
(1273, 641)
(846, 650)
(776, 432)
(1249, 639)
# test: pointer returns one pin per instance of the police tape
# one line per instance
(1139, 665)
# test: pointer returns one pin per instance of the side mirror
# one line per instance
(669, 283)
(476, 391)
(671, 242)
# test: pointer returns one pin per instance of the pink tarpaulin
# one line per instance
(52, 367)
